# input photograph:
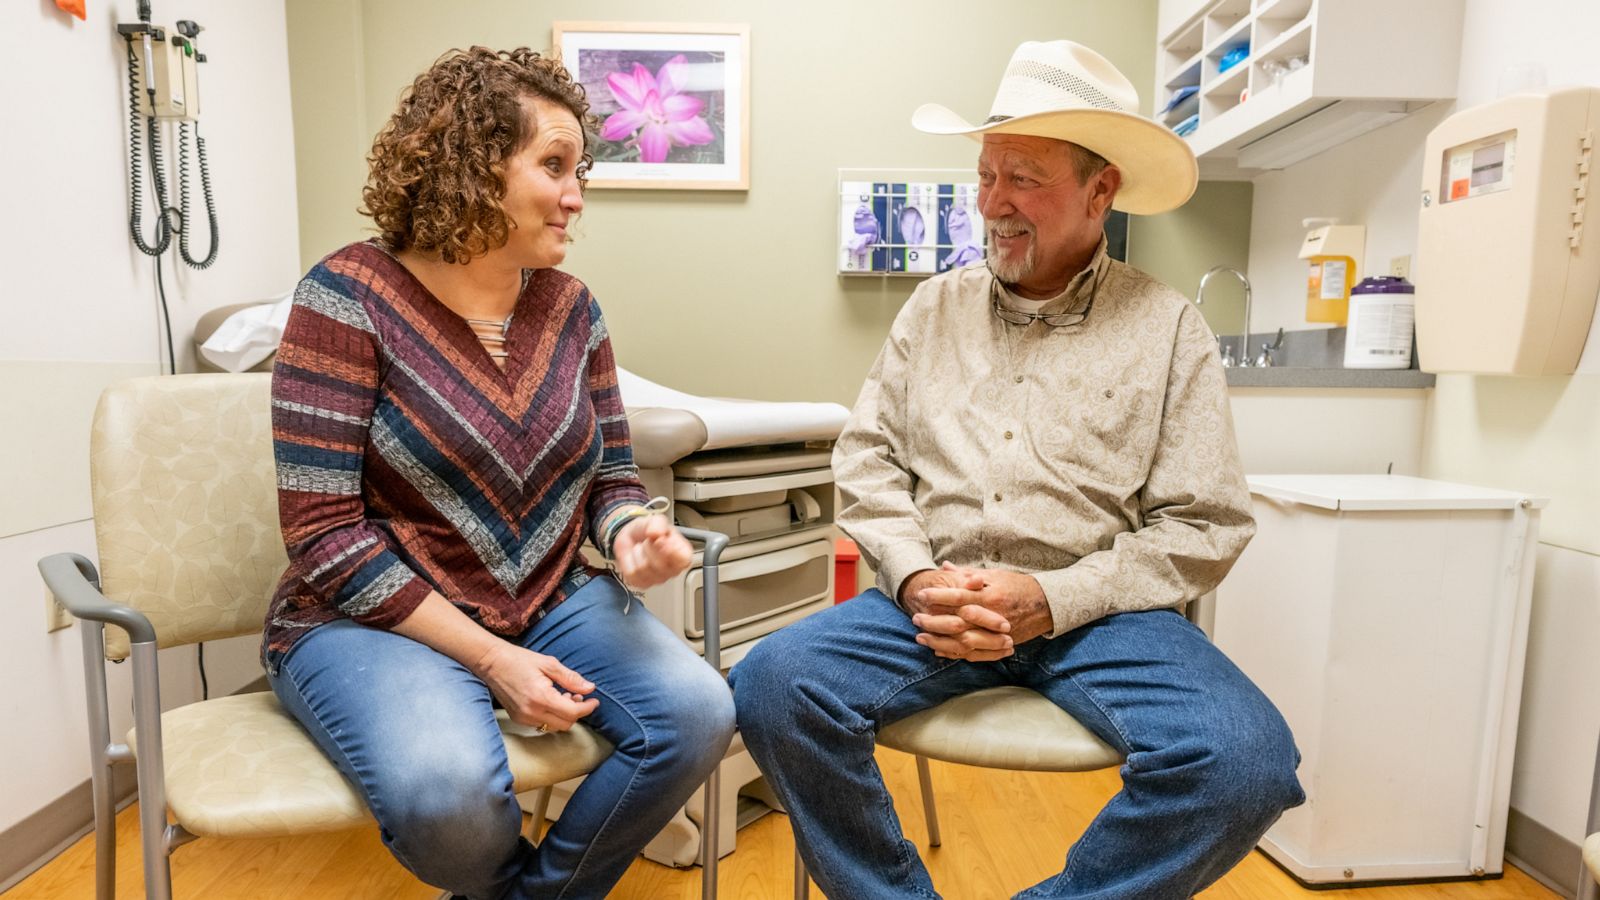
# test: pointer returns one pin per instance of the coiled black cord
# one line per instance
(166, 319)
(164, 223)
(200, 656)
(135, 199)
(183, 196)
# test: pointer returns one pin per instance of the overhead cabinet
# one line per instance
(1272, 82)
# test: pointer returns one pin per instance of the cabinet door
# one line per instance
(1172, 13)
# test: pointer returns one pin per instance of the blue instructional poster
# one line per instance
(961, 232)
(880, 211)
(913, 228)
(858, 227)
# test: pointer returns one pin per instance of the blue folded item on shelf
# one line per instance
(1233, 58)
(1187, 126)
(1186, 107)
(1179, 95)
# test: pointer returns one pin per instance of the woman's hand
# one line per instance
(648, 551)
(535, 689)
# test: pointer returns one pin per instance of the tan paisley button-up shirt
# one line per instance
(1097, 457)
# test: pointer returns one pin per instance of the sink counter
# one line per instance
(1313, 358)
(1302, 377)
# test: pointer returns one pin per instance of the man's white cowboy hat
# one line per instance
(1063, 90)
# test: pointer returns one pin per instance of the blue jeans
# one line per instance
(415, 732)
(1210, 762)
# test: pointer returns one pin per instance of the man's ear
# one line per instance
(1103, 191)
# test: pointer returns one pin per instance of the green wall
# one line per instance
(1213, 229)
(734, 293)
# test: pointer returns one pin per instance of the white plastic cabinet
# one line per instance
(1387, 617)
(1360, 64)
(1172, 13)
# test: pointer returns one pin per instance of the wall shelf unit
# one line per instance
(1350, 65)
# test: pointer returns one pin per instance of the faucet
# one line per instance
(1244, 339)
(1263, 359)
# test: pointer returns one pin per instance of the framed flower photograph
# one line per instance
(673, 101)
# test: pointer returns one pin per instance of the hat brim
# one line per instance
(1159, 172)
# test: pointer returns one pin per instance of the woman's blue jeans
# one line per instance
(415, 732)
(1210, 762)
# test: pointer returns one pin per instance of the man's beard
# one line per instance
(1012, 270)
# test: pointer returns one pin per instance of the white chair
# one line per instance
(997, 728)
(186, 523)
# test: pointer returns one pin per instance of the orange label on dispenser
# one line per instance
(1459, 188)
(1328, 289)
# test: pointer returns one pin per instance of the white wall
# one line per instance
(80, 312)
(1376, 180)
(1534, 434)
(1287, 431)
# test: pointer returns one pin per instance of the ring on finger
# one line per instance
(542, 728)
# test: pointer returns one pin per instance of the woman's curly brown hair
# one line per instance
(437, 169)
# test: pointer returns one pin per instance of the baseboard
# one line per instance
(29, 844)
(1549, 858)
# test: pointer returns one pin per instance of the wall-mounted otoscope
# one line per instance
(164, 84)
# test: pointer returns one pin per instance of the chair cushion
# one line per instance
(1591, 855)
(241, 766)
(1001, 728)
(186, 504)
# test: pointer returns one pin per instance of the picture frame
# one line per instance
(672, 100)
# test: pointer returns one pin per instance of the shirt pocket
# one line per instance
(1103, 428)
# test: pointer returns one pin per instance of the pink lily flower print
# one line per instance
(655, 112)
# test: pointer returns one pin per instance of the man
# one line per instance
(1041, 468)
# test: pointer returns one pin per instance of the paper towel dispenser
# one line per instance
(1507, 273)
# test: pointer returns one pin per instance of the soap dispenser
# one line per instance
(1334, 254)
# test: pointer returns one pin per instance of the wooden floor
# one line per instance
(1000, 835)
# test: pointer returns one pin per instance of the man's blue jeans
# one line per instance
(415, 732)
(1210, 762)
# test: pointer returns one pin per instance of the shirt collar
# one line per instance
(1079, 290)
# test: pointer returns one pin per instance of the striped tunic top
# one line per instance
(408, 461)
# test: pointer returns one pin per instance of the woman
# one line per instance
(448, 430)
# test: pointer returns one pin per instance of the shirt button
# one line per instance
(997, 496)
(1017, 379)
(1008, 435)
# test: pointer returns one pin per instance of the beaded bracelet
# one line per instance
(657, 506)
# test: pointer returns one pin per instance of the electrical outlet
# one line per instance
(56, 616)
(1400, 266)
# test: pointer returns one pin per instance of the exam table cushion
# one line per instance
(1001, 728)
(667, 425)
(241, 766)
(661, 436)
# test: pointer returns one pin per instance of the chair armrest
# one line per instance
(715, 542)
(76, 586)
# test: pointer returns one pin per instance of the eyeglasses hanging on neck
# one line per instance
(1054, 320)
